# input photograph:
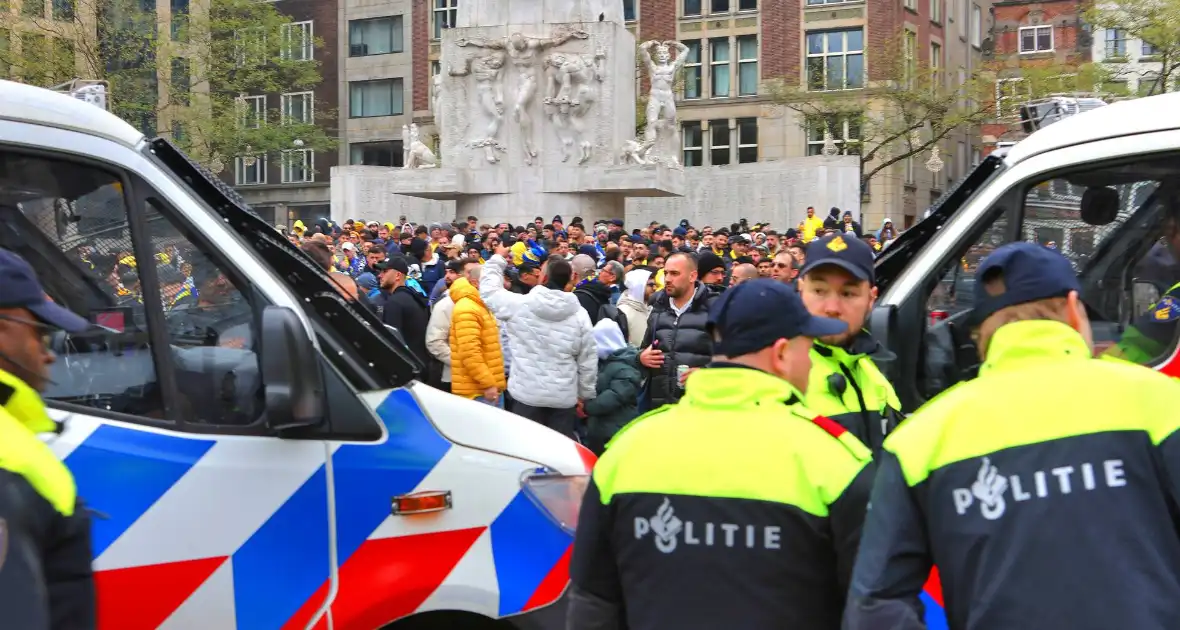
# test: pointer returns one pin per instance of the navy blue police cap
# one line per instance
(1029, 271)
(753, 315)
(843, 250)
(19, 288)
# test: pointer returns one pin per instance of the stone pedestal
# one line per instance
(536, 103)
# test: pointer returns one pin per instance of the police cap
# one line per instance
(19, 288)
(1030, 272)
(754, 314)
(843, 250)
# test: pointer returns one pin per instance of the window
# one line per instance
(253, 111)
(1034, 39)
(719, 142)
(84, 234)
(380, 97)
(1116, 42)
(63, 10)
(1148, 50)
(629, 10)
(378, 36)
(961, 17)
(297, 41)
(747, 5)
(298, 108)
(845, 134)
(250, 170)
(692, 69)
(976, 157)
(912, 5)
(692, 8)
(960, 159)
(179, 26)
(747, 65)
(976, 25)
(936, 11)
(819, 2)
(298, 166)
(250, 46)
(719, 66)
(385, 153)
(910, 175)
(446, 15)
(719, 6)
(747, 140)
(936, 79)
(33, 8)
(181, 81)
(1149, 84)
(909, 57)
(835, 60)
(693, 144)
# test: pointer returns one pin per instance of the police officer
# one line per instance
(845, 383)
(737, 507)
(45, 574)
(1041, 504)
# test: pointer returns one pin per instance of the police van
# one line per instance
(253, 447)
(1102, 186)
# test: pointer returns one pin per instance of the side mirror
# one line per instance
(1143, 296)
(883, 324)
(291, 374)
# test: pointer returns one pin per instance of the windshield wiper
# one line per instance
(355, 324)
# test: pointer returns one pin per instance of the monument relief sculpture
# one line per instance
(405, 145)
(661, 130)
(420, 155)
(572, 88)
(522, 51)
(436, 98)
(488, 71)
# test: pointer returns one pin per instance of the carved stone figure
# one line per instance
(405, 145)
(662, 72)
(522, 51)
(572, 88)
(436, 98)
(488, 71)
(420, 155)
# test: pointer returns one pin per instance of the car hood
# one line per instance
(487, 428)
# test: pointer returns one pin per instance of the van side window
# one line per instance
(70, 222)
(210, 328)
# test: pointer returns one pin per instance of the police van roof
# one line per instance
(39, 106)
(1123, 118)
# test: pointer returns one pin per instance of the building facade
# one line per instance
(1134, 66)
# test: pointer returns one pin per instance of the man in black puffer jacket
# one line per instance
(676, 334)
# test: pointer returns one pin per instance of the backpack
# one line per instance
(612, 312)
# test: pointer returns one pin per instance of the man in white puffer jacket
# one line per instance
(554, 357)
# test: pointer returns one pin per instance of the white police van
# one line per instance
(253, 446)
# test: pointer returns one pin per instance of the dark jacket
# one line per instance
(683, 340)
(619, 380)
(406, 310)
(592, 296)
(519, 287)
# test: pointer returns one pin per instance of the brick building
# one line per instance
(1030, 34)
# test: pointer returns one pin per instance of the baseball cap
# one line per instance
(348, 245)
(19, 288)
(843, 250)
(1030, 271)
(756, 313)
(397, 263)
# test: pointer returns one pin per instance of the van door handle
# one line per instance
(422, 502)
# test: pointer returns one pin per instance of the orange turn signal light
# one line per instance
(422, 502)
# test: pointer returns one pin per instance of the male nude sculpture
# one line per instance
(662, 72)
(522, 51)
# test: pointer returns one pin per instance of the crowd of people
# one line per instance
(578, 327)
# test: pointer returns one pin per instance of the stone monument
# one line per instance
(535, 108)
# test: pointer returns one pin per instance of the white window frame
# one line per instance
(1117, 37)
(240, 171)
(737, 124)
(702, 86)
(684, 146)
(715, 67)
(303, 50)
(253, 114)
(305, 158)
(840, 137)
(844, 53)
(911, 5)
(976, 156)
(742, 61)
(976, 25)
(910, 175)
(1036, 31)
(450, 9)
(727, 147)
(684, 9)
(936, 52)
(308, 98)
(936, 11)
